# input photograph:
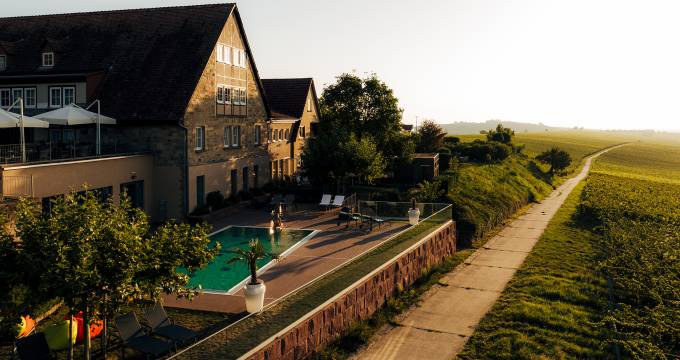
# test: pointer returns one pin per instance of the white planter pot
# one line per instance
(254, 297)
(413, 216)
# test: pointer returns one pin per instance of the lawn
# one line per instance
(551, 305)
(622, 224)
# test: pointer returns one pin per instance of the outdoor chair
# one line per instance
(325, 201)
(345, 215)
(34, 347)
(289, 201)
(338, 201)
(372, 220)
(162, 325)
(135, 337)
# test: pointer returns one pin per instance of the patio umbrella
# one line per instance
(12, 120)
(75, 115)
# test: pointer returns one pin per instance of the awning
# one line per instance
(12, 120)
(74, 115)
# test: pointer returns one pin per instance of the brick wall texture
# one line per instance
(321, 328)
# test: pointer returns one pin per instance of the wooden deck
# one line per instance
(331, 247)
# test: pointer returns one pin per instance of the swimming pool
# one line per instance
(218, 276)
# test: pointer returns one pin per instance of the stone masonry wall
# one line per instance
(311, 334)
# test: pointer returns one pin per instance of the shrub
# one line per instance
(483, 151)
(215, 200)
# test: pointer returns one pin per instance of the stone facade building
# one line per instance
(182, 84)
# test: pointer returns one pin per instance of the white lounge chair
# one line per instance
(338, 200)
(325, 201)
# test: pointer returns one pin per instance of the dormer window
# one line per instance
(48, 59)
(3, 62)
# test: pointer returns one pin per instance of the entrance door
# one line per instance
(200, 190)
(245, 179)
(135, 191)
(234, 182)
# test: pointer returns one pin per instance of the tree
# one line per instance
(98, 257)
(250, 257)
(365, 107)
(430, 136)
(363, 159)
(501, 134)
(556, 158)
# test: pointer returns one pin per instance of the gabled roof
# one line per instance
(287, 97)
(151, 59)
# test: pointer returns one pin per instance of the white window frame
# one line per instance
(258, 134)
(14, 96)
(219, 52)
(226, 55)
(227, 94)
(219, 95)
(226, 137)
(27, 104)
(3, 62)
(245, 97)
(236, 136)
(242, 60)
(48, 56)
(309, 104)
(61, 97)
(235, 56)
(286, 135)
(200, 138)
(6, 93)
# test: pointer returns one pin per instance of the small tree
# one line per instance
(430, 136)
(501, 134)
(98, 257)
(556, 158)
(250, 257)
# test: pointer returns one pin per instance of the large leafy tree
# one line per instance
(501, 134)
(556, 158)
(430, 136)
(366, 107)
(98, 257)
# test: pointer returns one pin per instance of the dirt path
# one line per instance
(442, 323)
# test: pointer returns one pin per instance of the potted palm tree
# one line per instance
(413, 213)
(255, 288)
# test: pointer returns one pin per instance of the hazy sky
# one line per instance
(597, 64)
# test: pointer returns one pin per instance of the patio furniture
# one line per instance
(347, 216)
(325, 201)
(34, 347)
(338, 201)
(289, 201)
(372, 220)
(162, 325)
(135, 337)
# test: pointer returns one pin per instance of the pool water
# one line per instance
(222, 277)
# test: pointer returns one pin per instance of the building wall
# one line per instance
(281, 151)
(216, 161)
(166, 144)
(50, 179)
(309, 115)
(309, 335)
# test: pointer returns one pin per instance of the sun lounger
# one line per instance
(325, 201)
(338, 201)
(345, 215)
(34, 347)
(135, 337)
(162, 325)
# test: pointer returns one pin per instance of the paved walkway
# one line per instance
(439, 327)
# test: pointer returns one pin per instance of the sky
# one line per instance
(602, 64)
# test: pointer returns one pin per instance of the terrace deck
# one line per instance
(331, 247)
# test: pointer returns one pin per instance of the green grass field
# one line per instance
(622, 224)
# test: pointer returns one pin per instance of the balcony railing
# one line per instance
(43, 152)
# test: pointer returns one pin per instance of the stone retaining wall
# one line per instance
(328, 322)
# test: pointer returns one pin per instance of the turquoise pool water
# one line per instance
(220, 276)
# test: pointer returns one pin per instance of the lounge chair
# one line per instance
(34, 347)
(338, 201)
(345, 215)
(289, 201)
(135, 337)
(373, 220)
(325, 201)
(162, 325)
